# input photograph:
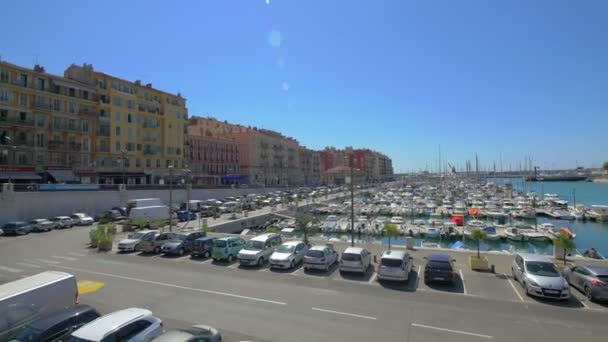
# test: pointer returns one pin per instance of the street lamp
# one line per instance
(352, 202)
(170, 198)
(124, 169)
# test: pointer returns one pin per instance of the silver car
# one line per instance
(62, 222)
(539, 276)
(195, 333)
(131, 243)
(320, 258)
(288, 255)
(591, 279)
(41, 225)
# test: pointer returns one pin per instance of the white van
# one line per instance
(152, 213)
(142, 202)
(258, 249)
(28, 299)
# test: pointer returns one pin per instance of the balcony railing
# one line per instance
(55, 144)
(74, 146)
(43, 105)
(18, 121)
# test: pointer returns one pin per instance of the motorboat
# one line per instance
(597, 212)
(514, 234)
(476, 223)
(563, 214)
(491, 233)
(534, 236)
(398, 220)
(330, 223)
(432, 232)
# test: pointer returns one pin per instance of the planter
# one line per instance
(104, 246)
(479, 264)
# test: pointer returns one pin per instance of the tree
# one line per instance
(563, 240)
(304, 223)
(605, 166)
(478, 234)
(390, 231)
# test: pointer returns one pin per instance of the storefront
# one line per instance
(20, 174)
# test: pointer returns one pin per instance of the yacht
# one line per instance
(330, 223)
(515, 234)
(398, 220)
(476, 223)
(597, 212)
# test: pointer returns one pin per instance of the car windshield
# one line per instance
(26, 334)
(351, 257)
(179, 237)
(77, 339)
(541, 268)
(315, 254)
(286, 249)
(255, 246)
(391, 262)
(137, 235)
(219, 243)
(441, 265)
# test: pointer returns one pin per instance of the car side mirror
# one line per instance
(426, 258)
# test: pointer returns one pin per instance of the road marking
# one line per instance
(344, 313)
(64, 258)
(372, 278)
(208, 261)
(226, 294)
(77, 254)
(585, 305)
(49, 261)
(450, 330)
(182, 258)
(234, 265)
(28, 265)
(418, 276)
(296, 271)
(88, 286)
(464, 287)
(514, 289)
(9, 269)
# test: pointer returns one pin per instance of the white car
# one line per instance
(320, 258)
(82, 219)
(133, 325)
(288, 255)
(355, 259)
(395, 265)
(131, 243)
(539, 277)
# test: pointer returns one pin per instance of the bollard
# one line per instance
(375, 260)
(492, 269)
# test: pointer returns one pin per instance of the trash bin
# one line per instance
(409, 242)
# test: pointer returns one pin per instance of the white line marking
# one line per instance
(372, 278)
(450, 330)
(182, 258)
(235, 265)
(418, 277)
(464, 287)
(28, 265)
(344, 313)
(514, 289)
(10, 269)
(585, 305)
(296, 271)
(49, 261)
(64, 258)
(226, 294)
(77, 254)
(208, 261)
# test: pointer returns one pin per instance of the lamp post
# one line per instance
(124, 169)
(352, 203)
(170, 198)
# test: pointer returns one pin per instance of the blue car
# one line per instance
(186, 215)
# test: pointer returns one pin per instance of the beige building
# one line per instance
(310, 166)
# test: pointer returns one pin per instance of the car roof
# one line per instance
(174, 335)
(534, 257)
(394, 254)
(265, 237)
(97, 329)
(318, 248)
(228, 238)
(439, 257)
(597, 269)
(205, 238)
(292, 243)
(354, 250)
(60, 316)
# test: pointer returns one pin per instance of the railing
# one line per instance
(43, 105)
(74, 146)
(17, 120)
(55, 144)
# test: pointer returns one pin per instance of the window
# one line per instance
(129, 331)
(3, 114)
(3, 95)
(178, 115)
(118, 101)
(117, 116)
(130, 146)
(148, 163)
(130, 132)
(22, 158)
(129, 118)
(118, 146)
(85, 144)
(56, 104)
(40, 159)
(39, 139)
(22, 116)
(72, 124)
(130, 104)
(40, 84)
(23, 99)
(72, 107)
(137, 162)
(158, 163)
(139, 147)
(103, 146)
(117, 131)
(40, 120)
(58, 122)
(138, 132)
(167, 163)
(23, 80)
(85, 125)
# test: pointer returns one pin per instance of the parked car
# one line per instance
(202, 247)
(227, 248)
(355, 259)
(114, 215)
(121, 210)
(41, 225)
(182, 243)
(591, 279)
(395, 265)
(153, 243)
(197, 333)
(56, 326)
(186, 215)
(132, 324)
(288, 255)
(320, 258)
(439, 268)
(62, 222)
(259, 249)
(131, 243)
(17, 228)
(539, 276)
(207, 211)
(82, 219)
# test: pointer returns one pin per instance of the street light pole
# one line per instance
(124, 169)
(170, 198)
(352, 203)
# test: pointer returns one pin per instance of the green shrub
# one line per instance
(207, 229)
(140, 222)
(272, 229)
(94, 235)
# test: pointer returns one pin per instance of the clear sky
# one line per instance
(496, 78)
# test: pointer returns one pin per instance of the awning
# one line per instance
(120, 174)
(62, 175)
(19, 175)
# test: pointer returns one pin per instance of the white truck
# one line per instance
(25, 300)
(148, 209)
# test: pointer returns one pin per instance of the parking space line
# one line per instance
(451, 331)
(49, 261)
(372, 278)
(464, 286)
(10, 269)
(64, 258)
(234, 265)
(584, 305)
(145, 281)
(296, 271)
(182, 258)
(344, 313)
(28, 265)
(418, 277)
(77, 254)
(514, 289)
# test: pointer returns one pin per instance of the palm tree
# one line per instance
(605, 166)
(304, 222)
(562, 240)
(390, 231)
(478, 235)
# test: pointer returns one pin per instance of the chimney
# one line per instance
(39, 68)
(137, 82)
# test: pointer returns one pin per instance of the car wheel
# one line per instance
(513, 274)
(588, 293)
(326, 267)
(261, 261)
(230, 258)
(156, 250)
(136, 248)
(292, 265)
(526, 288)
(180, 252)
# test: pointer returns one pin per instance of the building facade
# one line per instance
(310, 166)
(213, 160)
(374, 166)
(47, 122)
(141, 131)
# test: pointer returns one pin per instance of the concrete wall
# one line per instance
(30, 205)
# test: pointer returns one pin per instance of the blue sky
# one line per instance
(510, 78)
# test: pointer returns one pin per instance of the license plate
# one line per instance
(438, 278)
(552, 291)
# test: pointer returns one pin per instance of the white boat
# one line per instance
(330, 223)
(398, 220)
(492, 234)
(597, 212)
(547, 226)
(527, 213)
(563, 214)
(411, 231)
(535, 236)
(476, 223)
(419, 222)
(514, 234)
(432, 232)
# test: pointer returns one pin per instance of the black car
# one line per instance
(202, 247)
(439, 268)
(182, 243)
(56, 326)
(17, 228)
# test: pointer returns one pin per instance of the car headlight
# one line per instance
(532, 282)
(566, 286)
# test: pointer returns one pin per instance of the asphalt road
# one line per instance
(263, 305)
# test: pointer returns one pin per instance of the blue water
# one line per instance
(587, 193)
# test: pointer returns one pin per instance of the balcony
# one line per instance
(74, 146)
(18, 121)
(24, 143)
(43, 105)
(86, 111)
(55, 144)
